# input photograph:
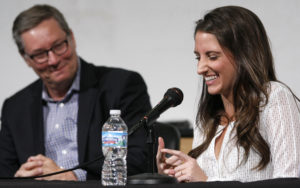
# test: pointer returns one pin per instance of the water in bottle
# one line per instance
(114, 147)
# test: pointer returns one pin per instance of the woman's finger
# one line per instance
(179, 154)
(161, 145)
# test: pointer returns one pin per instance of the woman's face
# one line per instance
(216, 66)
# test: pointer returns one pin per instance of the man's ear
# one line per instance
(73, 38)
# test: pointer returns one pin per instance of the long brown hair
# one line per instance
(240, 32)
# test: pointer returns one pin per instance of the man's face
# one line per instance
(59, 70)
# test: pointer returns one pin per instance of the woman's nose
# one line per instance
(202, 67)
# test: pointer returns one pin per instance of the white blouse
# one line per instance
(280, 127)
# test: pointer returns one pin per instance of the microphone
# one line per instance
(172, 98)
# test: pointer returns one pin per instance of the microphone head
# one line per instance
(174, 94)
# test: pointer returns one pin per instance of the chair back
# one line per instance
(169, 133)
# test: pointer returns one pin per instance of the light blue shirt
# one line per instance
(60, 126)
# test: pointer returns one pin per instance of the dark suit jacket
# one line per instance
(101, 89)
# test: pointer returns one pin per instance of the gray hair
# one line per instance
(33, 16)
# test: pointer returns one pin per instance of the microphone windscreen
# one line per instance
(175, 94)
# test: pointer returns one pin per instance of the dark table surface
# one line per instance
(281, 182)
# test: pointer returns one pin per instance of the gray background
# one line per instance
(153, 37)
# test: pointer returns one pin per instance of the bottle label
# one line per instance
(114, 139)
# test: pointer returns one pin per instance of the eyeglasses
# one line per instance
(58, 49)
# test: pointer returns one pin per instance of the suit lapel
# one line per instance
(36, 119)
(87, 98)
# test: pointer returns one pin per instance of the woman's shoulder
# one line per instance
(278, 88)
(279, 93)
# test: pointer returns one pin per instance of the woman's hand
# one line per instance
(184, 167)
(162, 167)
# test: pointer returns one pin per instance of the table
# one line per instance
(273, 183)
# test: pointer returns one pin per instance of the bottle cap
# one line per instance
(115, 112)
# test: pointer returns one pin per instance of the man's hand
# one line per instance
(41, 165)
(30, 168)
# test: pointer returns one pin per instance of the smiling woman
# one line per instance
(248, 121)
(216, 66)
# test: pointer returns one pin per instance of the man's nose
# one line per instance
(52, 58)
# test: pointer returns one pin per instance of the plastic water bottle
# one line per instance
(114, 147)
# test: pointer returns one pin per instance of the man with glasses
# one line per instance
(55, 122)
(42, 57)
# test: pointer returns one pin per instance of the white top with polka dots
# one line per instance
(279, 125)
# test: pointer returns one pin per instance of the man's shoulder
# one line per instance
(28, 91)
(105, 72)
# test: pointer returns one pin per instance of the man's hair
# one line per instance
(33, 16)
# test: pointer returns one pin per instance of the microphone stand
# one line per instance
(150, 177)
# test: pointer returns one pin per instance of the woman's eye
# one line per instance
(213, 58)
(197, 58)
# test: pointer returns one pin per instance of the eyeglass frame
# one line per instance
(66, 42)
